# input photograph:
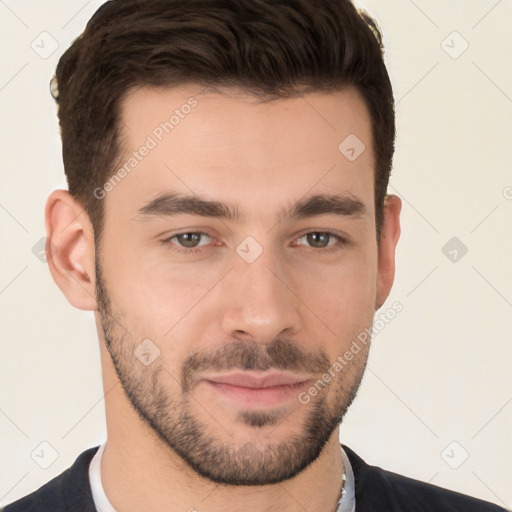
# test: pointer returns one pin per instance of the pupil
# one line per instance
(318, 239)
(189, 239)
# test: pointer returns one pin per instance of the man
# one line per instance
(227, 221)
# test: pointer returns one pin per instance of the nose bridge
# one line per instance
(259, 301)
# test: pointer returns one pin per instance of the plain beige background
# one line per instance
(436, 402)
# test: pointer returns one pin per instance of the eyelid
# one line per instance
(331, 231)
(186, 232)
(340, 240)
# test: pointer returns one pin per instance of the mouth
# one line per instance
(252, 390)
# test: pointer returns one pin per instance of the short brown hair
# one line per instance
(268, 48)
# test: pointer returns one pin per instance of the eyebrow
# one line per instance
(172, 204)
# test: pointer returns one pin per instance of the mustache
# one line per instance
(280, 354)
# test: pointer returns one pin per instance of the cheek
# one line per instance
(344, 294)
(152, 300)
(345, 302)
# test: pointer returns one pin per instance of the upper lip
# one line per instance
(247, 380)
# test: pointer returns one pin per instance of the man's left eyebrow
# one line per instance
(343, 205)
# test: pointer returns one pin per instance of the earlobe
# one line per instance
(389, 239)
(70, 249)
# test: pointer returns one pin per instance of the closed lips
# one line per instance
(259, 382)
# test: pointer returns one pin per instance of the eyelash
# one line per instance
(330, 248)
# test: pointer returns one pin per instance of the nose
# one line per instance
(260, 302)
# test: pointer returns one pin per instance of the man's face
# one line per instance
(265, 292)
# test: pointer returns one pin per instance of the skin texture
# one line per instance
(174, 441)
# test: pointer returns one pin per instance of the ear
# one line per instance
(389, 238)
(70, 249)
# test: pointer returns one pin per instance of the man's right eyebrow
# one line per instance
(170, 204)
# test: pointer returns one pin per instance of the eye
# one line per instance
(193, 241)
(188, 242)
(321, 239)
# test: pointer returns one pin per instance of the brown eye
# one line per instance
(189, 240)
(320, 239)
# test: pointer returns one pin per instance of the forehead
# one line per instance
(233, 145)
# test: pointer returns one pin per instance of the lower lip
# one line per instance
(265, 397)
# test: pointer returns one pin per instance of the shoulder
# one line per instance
(68, 491)
(378, 489)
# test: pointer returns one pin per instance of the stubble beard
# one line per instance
(172, 418)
